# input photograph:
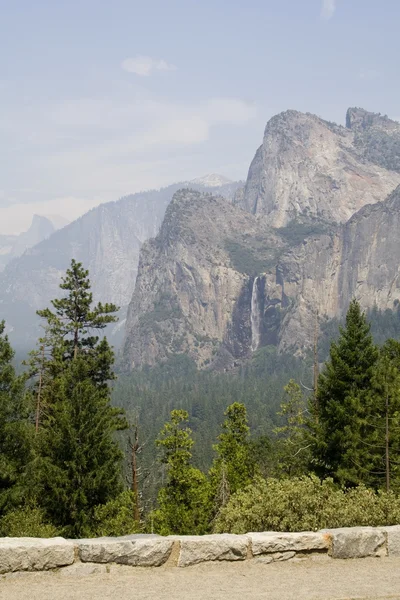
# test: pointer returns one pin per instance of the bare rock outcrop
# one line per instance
(307, 167)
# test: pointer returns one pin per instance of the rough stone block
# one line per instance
(197, 549)
(271, 542)
(393, 539)
(137, 551)
(34, 554)
(357, 542)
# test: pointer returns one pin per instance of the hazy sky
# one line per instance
(101, 98)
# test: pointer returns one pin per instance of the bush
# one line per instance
(116, 517)
(26, 522)
(305, 504)
(184, 508)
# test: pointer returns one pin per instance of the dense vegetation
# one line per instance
(174, 450)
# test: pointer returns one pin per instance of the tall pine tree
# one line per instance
(184, 499)
(380, 428)
(234, 466)
(78, 465)
(15, 429)
(342, 402)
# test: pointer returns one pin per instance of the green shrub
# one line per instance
(26, 522)
(116, 517)
(250, 260)
(305, 504)
(296, 232)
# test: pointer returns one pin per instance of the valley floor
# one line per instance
(322, 579)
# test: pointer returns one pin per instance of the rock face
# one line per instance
(316, 225)
(359, 260)
(190, 295)
(106, 240)
(213, 265)
(307, 167)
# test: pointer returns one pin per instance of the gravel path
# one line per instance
(373, 578)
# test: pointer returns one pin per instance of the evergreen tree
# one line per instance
(234, 466)
(342, 402)
(78, 463)
(380, 428)
(75, 315)
(292, 448)
(184, 500)
(15, 429)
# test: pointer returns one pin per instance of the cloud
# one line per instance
(232, 111)
(368, 74)
(144, 65)
(80, 152)
(328, 9)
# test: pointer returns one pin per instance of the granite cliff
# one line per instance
(309, 168)
(316, 225)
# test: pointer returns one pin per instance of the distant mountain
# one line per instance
(107, 240)
(12, 246)
(40, 229)
(6, 245)
(211, 181)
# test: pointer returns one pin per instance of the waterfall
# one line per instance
(255, 317)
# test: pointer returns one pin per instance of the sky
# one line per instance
(100, 99)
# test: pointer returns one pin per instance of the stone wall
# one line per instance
(92, 555)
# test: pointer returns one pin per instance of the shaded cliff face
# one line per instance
(360, 260)
(218, 283)
(104, 240)
(193, 288)
(309, 168)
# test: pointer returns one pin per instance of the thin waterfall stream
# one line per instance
(255, 317)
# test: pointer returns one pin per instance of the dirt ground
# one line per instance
(305, 580)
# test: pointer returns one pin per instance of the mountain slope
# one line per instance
(107, 240)
(217, 283)
(12, 246)
(188, 284)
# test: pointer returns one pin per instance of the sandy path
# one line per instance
(305, 580)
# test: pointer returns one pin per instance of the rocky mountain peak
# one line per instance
(308, 168)
(212, 180)
(358, 119)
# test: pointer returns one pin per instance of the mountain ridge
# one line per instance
(197, 293)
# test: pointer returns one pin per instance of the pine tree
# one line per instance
(184, 500)
(234, 466)
(15, 429)
(380, 430)
(342, 401)
(78, 463)
(75, 315)
(292, 448)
